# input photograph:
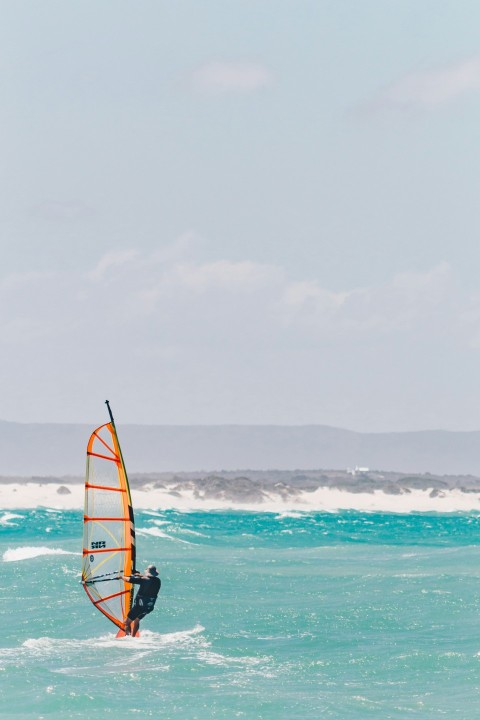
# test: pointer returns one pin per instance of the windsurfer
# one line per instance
(144, 603)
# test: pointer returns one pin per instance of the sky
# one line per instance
(241, 212)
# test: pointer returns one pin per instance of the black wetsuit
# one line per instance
(146, 595)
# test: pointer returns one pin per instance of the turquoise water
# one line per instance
(261, 616)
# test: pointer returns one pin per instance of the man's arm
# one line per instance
(135, 579)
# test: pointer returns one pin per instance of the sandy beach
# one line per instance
(58, 495)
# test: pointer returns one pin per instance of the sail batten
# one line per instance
(97, 519)
(109, 531)
(104, 457)
(104, 487)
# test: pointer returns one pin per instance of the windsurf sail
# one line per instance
(108, 526)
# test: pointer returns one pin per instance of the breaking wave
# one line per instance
(6, 519)
(29, 552)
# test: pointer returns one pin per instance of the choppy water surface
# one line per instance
(261, 616)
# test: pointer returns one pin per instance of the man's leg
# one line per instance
(128, 624)
(135, 626)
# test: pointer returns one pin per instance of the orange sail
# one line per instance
(109, 528)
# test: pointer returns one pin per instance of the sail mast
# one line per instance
(130, 506)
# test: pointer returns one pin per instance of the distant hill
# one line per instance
(51, 449)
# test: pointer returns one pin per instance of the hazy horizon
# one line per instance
(95, 423)
(53, 449)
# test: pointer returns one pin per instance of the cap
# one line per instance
(151, 570)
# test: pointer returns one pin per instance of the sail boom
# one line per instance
(104, 550)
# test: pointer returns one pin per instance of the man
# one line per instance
(145, 599)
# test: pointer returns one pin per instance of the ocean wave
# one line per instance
(154, 641)
(214, 658)
(6, 519)
(41, 645)
(148, 640)
(28, 552)
(187, 531)
(172, 528)
(156, 532)
(150, 652)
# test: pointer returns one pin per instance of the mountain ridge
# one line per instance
(59, 449)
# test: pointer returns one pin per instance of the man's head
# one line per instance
(151, 571)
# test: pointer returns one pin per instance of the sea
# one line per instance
(262, 615)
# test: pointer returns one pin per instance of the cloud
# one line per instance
(231, 77)
(430, 88)
(239, 277)
(111, 261)
(222, 340)
(307, 297)
(403, 304)
(184, 245)
(163, 298)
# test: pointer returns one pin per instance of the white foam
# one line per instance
(156, 532)
(28, 552)
(126, 654)
(182, 635)
(147, 642)
(6, 519)
(176, 528)
(213, 658)
(153, 641)
(187, 531)
(40, 645)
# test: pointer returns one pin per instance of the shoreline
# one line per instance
(70, 496)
